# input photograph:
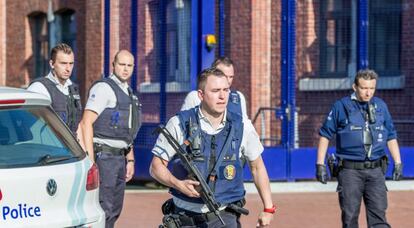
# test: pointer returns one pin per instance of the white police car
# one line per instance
(46, 180)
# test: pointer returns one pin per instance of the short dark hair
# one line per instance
(222, 60)
(365, 74)
(202, 77)
(60, 47)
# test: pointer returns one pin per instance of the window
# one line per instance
(46, 35)
(171, 40)
(385, 36)
(29, 135)
(65, 32)
(40, 44)
(66, 27)
(338, 42)
(178, 41)
(336, 38)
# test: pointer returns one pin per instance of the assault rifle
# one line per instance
(187, 159)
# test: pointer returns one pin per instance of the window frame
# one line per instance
(342, 18)
(178, 71)
(329, 82)
(377, 16)
(40, 44)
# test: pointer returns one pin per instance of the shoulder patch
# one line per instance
(330, 115)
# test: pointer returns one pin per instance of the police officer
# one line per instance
(236, 103)
(363, 128)
(58, 87)
(217, 125)
(110, 124)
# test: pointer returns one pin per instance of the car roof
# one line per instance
(10, 96)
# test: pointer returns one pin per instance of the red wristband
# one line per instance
(270, 210)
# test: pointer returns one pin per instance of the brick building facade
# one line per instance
(252, 40)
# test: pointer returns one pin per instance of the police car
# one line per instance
(46, 180)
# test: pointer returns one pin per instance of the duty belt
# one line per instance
(189, 218)
(197, 218)
(361, 164)
(193, 219)
(97, 147)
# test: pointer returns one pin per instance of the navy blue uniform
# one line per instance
(360, 145)
(218, 155)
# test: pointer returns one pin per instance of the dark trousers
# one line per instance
(112, 185)
(230, 219)
(366, 184)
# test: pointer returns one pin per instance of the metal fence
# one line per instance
(332, 41)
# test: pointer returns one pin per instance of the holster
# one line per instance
(170, 221)
(168, 207)
(384, 164)
(333, 165)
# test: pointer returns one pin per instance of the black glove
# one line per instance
(397, 173)
(321, 173)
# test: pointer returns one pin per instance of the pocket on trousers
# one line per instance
(107, 176)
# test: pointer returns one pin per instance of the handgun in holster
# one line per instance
(168, 207)
(333, 165)
(169, 220)
(384, 164)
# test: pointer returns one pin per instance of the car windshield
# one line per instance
(35, 136)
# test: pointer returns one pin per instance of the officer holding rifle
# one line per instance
(213, 140)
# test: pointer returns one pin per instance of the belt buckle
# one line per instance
(367, 164)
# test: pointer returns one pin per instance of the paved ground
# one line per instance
(300, 205)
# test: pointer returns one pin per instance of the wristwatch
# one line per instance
(131, 160)
(271, 210)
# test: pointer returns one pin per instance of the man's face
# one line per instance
(228, 71)
(124, 66)
(62, 66)
(215, 95)
(365, 89)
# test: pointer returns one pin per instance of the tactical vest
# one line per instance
(234, 103)
(349, 139)
(112, 123)
(213, 158)
(68, 107)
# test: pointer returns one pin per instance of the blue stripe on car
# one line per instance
(82, 191)
(79, 170)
